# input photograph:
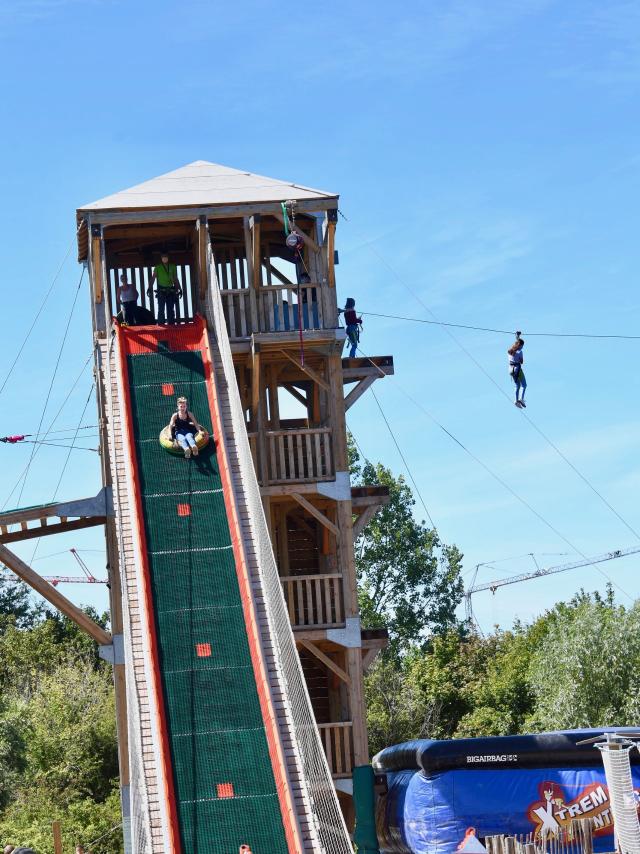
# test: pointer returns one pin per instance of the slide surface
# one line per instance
(217, 750)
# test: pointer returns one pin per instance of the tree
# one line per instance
(408, 580)
(586, 673)
(16, 606)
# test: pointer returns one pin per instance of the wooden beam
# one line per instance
(297, 394)
(203, 267)
(254, 225)
(328, 662)
(248, 253)
(315, 376)
(358, 391)
(142, 215)
(331, 253)
(98, 505)
(255, 385)
(57, 838)
(363, 520)
(96, 258)
(52, 595)
(275, 272)
(44, 531)
(317, 514)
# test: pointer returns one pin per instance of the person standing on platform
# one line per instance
(128, 300)
(169, 289)
(353, 323)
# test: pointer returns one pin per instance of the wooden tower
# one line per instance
(226, 229)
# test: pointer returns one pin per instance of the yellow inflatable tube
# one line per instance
(201, 438)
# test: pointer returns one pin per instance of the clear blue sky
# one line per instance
(488, 151)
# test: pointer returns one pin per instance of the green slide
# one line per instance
(223, 781)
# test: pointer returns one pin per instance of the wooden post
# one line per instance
(248, 250)
(97, 274)
(256, 269)
(57, 837)
(203, 267)
(51, 594)
(332, 220)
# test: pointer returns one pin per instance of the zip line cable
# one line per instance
(39, 311)
(406, 464)
(55, 418)
(500, 480)
(551, 444)
(499, 331)
(355, 442)
(53, 378)
(66, 462)
(59, 445)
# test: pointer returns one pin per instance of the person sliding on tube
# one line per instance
(183, 426)
(353, 323)
(516, 361)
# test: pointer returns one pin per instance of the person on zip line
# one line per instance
(516, 361)
(168, 291)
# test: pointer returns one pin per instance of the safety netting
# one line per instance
(224, 785)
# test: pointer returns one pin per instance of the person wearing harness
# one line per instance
(168, 291)
(516, 361)
(184, 427)
(353, 323)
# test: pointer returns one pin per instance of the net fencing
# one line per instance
(624, 806)
(330, 829)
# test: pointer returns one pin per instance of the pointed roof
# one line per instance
(201, 184)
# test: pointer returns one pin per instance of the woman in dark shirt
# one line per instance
(184, 427)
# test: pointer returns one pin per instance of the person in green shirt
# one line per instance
(169, 289)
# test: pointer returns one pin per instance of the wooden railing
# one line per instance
(279, 308)
(237, 312)
(299, 455)
(314, 600)
(276, 307)
(338, 747)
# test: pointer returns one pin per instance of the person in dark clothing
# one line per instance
(516, 361)
(128, 299)
(353, 324)
(184, 427)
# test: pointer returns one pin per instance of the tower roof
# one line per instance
(200, 184)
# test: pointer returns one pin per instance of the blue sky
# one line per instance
(486, 156)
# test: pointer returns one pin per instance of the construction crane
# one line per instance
(87, 578)
(527, 576)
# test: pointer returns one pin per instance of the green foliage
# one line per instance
(578, 665)
(16, 607)
(58, 751)
(587, 671)
(408, 580)
(28, 822)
